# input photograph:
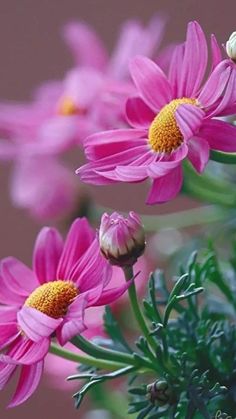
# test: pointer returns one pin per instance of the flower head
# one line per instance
(172, 118)
(49, 300)
(122, 240)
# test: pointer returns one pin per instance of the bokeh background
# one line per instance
(31, 51)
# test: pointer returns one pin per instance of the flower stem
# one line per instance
(108, 354)
(84, 359)
(128, 271)
(219, 156)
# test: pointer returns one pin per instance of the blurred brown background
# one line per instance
(31, 52)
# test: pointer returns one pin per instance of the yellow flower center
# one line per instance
(164, 134)
(67, 107)
(53, 298)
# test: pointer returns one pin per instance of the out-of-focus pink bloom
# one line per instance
(134, 38)
(91, 97)
(49, 300)
(122, 239)
(43, 186)
(173, 118)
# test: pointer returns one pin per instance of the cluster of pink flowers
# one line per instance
(91, 97)
(132, 129)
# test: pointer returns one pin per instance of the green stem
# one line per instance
(128, 271)
(186, 218)
(108, 354)
(219, 156)
(83, 359)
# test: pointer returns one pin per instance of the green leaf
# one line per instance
(113, 330)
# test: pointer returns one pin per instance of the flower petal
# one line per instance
(73, 324)
(189, 119)
(25, 352)
(6, 372)
(215, 52)
(18, 278)
(111, 295)
(176, 69)
(8, 333)
(47, 251)
(135, 39)
(220, 135)
(198, 153)
(150, 79)
(194, 61)
(35, 324)
(78, 239)
(82, 39)
(28, 382)
(215, 85)
(139, 115)
(108, 143)
(166, 187)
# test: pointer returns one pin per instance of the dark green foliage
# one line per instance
(193, 324)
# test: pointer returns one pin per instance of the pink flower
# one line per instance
(49, 300)
(173, 118)
(122, 240)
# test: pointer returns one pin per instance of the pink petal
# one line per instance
(87, 273)
(161, 168)
(175, 71)
(150, 79)
(194, 61)
(44, 186)
(8, 314)
(82, 39)
(47, 252)
(166, 188)
(24, 351)
(18, 278)
(8, 333)
(189, 119)
(35, 324)
(73, 324)
(215, 85)
(108, 143)
(28, 382)
(229, 97)
(79, 238)
(215, 52)
(220, 135)
(6, 372)
(198, 153)
(111, 295)
(139, 115)
(135, 39)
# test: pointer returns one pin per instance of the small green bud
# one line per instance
(160, 393)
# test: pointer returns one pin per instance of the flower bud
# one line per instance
(122, 240)
(160, 393)
(231, 46)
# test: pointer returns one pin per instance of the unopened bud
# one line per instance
(160, 393)
(122, 240)
(231, 46)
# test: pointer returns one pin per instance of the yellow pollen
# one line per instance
(67, 107)
(164, 134)
(53, 298)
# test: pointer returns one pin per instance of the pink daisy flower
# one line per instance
(49, 300)
(173, 118)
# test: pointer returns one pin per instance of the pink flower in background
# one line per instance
(91, 97)
(173, 118)
(49, 300)
(44, 186)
